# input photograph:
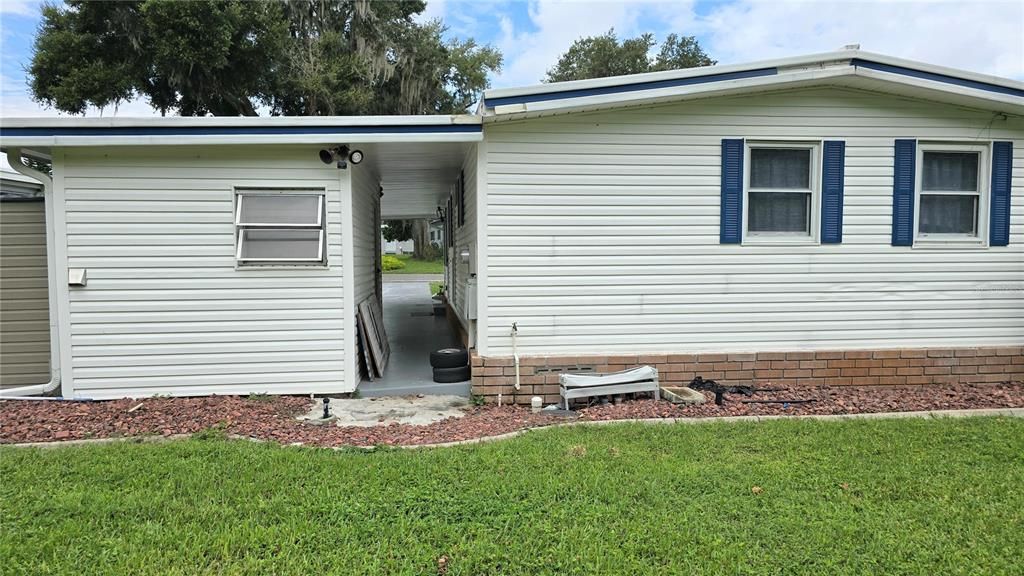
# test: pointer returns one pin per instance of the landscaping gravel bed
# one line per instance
(826, 400)
(273, 418)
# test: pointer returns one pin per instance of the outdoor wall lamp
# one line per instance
(341, 155)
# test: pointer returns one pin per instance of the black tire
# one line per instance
(449, 358)
(448, 375)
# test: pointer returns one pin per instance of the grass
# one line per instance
(414, 266)
(854, 497)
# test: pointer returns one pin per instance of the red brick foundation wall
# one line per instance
(900, 367)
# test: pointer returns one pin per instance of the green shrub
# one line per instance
(432, 252)
(389, 262)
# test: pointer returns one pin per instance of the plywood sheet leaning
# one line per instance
(378, 318)
(364, 349)
(373, 336)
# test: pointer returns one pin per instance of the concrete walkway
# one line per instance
(421, 278)
(414, 332)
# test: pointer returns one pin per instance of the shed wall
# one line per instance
(24, 299)
(166, 311)
(603, 235)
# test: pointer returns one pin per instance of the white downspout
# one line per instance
(14, 158)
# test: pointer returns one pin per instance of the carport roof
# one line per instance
(59, 132)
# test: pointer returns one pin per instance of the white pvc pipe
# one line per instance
(515, 352)
(22, 392)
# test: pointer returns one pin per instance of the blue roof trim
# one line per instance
(238, 130)
(652, 85)
(945, 78)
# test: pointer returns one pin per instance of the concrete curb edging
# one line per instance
(151, 439)
(969, 413)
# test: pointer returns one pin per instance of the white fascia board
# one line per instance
(16, 177)
(936, 69)
(724, 88)
(977, 98)
(666, 75)
(319, 139)
(849, 76)
(237, 121)
(819, 60)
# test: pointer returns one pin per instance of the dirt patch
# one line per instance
(274, 418)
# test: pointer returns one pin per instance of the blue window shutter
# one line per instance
(731, 214)
(999, 221)
(832, 177)
(904, 168)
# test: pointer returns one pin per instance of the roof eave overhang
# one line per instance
(849, 75)
(183, 131)
(840, 57)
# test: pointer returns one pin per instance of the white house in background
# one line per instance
(841, 218)
(435, 235)
(396, 247)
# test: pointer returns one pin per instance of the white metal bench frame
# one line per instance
(643, 379)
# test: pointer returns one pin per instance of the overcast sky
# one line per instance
(983, 35)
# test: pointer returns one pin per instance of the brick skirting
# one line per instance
(538, 375)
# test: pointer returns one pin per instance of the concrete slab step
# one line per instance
(369, 390)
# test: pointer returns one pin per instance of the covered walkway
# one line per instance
(413, 332)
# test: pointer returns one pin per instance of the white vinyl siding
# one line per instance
(165, 310)
(365, 235)
(465, 235)
(24, 301)
(365, 229)
(603, 235)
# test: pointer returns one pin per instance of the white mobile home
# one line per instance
(845, 218)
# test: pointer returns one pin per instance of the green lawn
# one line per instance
(414, 266)
(856, 497)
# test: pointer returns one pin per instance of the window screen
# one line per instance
(280, 227)
(779, 212)
(950, 171)
(950, 197)
(280, 210)
(780, 191)
(788, 168)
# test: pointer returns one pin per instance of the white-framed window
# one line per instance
(781, 192)
(951, 197)
(280, 226)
